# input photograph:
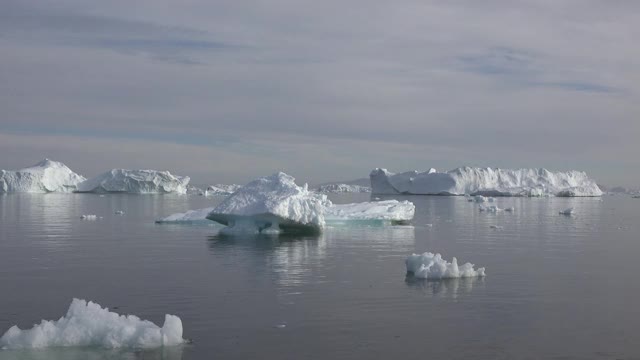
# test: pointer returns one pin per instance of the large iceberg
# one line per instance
(135, 182)
(88, 324)
(388, 211)
(394, 211)
(485, 181)
(433, 267)
(45, 176)
(272, 203)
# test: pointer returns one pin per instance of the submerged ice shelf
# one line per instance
(485, 181)
(88, 324)
(393, 211)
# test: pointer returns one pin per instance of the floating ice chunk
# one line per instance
(496, 227)
(119, 212)
(491, 209)
(510, 209)
(485, 181)
(491, 199)
(45, 176)
(432, 266)
(272, 202)
(189, 217)
(135, 182)
(567, 212)
(397, 212)
(480, 199)
(88, 217)
(88, 324)
(343, 188)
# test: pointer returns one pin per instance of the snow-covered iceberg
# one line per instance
(135, 182)
(272, 203)
(343, 188)
(88, 324)
(433, 267)
(43, 177)
(221, 189)
(485, 181)
(393, 211)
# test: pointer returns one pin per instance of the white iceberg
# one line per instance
(394, 211)
(89, 217)
(343, 188)
(135, 182)
(485, 181)
(433, 267)
(275, 203)
(43, 177)
(221, 189)
(88, 324)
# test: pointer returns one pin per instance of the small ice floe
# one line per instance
(119, 212)
(491, 199)
(496, 227)
(431, 266)
(89, 217)
(88, 324)
(491, 209)
(280, 326)
(428, 225)
(510, 209)
(480, 199)
(567, 212)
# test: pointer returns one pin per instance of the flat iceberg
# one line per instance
(343, 188)
(43, 177)
(135, 182)
(275, 203)
(394, 211)
(189, 217)
(88, 324)
(485, 181)
(433, 267)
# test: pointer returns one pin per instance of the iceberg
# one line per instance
(221, 189)
(343, 188)
(393, 211)
(135, 182)
(275, 203)
(567, 212)
(88, 324)
(43, 177)
(485, 181)
(433, 267)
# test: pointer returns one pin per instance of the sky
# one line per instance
(226, 91)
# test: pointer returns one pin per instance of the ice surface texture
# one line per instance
(433, 267)
(43, 177)
(135, 182)
(88, 324)
(485, 181)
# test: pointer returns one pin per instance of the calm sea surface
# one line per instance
(557, 287)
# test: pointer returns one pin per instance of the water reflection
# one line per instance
(443, 288)
(168, 353)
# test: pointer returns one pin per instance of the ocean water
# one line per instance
(557, 287)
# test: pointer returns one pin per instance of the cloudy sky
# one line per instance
(325, 90)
